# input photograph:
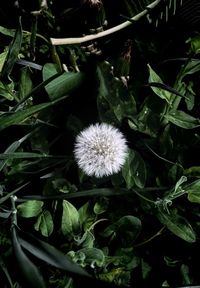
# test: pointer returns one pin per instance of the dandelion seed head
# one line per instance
(100, 150)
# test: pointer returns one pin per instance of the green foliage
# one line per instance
(139, 227)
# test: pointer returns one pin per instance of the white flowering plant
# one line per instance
(99, 125)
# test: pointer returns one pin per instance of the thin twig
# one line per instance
(79, 40)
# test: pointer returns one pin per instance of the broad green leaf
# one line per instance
(70, 219)
(49, 254)
(187, 89)
(6, 90)
(149, 119)
(7, 32)
(3, 56)
(44, 223)
(193, 190)
(30, 271)
(195, 44)
(62, 85)
(101, 206)
(162, 93)
(134, 170)
(166, 88)
(13, 52)
(25, 84)
(146, 269)
(126, 229)
(192, 171)
(19, 116)
(191, 67)
(31, 208)
(177, 225)
(87, 240)
(86, 215)
(194, 196)
(183, 120)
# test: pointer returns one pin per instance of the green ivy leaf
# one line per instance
(31, 208)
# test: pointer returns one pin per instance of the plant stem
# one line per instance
(151, 238)
(79, 40)
(13, 199)
(143, 197)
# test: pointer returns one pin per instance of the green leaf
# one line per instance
(23, 155)
(194, 196)
(183, 120)
(177, 225)
(13, 52)
(86, 215)
(134, 170)
(89, 256)
(6, 90)
(7, 196)
(190, 68)
(85, 193)
(101, 206)
(62, 85)
(87, 240)
(193, 190)
(126, 229)
(31, 208)
(7, 32)
(114, 100)
(44, 223)
(3, 56)
(25, 84)
(7, 120)
(70, 219)
(29, 270)
(49, 254)
(12, 148)
(162, 93)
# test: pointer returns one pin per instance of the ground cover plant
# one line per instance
(100, 142)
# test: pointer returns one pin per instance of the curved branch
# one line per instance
(79, 40)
